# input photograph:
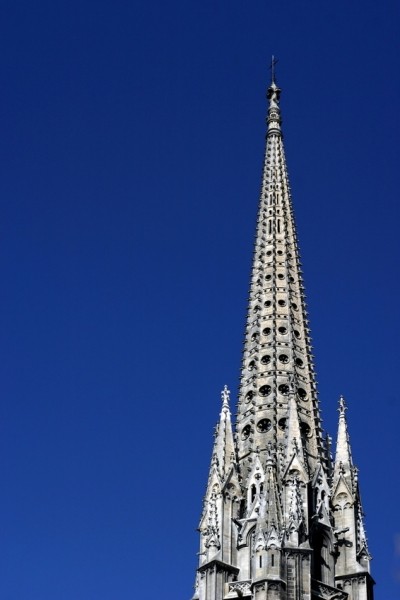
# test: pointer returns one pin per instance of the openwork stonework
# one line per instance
(281, 519)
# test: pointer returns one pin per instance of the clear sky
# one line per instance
(131, 142)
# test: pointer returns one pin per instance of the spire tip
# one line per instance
(273, 94)
(225, 396)
(272, 68)
(342, 405)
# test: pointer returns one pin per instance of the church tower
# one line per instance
(281, 520)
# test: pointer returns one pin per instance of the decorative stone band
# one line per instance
(324, 591)
(239, 589)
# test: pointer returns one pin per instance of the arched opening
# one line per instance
(253, 493)
(322, 559)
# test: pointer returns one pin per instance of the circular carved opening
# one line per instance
(305, 428)
(268, 277)
(281, 276)
(282, 330)
(302, 393)
(254, 337)
(294, 306)
(291, 279)
(249, 396)
(282, 423)
(246, 432)
(296, 333)
(269, 253)
(283, 388)
(280, 252)
(284, 358)
(265, 359)
(267, 304)
(251, 365)
(299, 362)
(281, 302)
(265, 390)
(266, 330)
(264, 425)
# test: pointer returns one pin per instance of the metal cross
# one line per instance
(272, 68)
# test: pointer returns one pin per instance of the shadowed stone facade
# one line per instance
(281, 520)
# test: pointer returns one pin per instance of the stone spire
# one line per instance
(343, 459)
(277, 349)
(224, 447)
(352, 555)
(221, 504)
(223, 460)
(294, 437)
(279, 521)
(351, 542)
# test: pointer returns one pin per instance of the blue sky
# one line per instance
(131, 143)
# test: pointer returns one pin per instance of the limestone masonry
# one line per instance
(281, 520)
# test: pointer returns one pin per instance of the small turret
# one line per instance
(294, 444)
(224, 446)
(218, 534)
(351, 551)
(343, 459)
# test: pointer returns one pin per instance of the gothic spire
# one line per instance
(221, 502)
(343, 459)
(348, 515)
(277, 347)
(224, 446)
(273, 516)
(294, 441)
(279, 521)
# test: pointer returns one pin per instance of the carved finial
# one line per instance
(273, 93)
(225, 396)
(342, 406)
(273, 96)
